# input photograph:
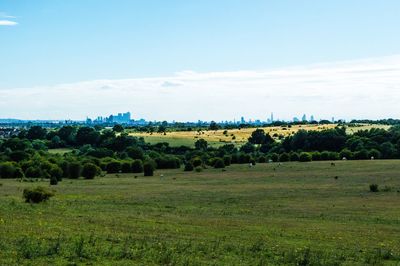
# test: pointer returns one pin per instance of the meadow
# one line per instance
(216, 138)
(270, 214)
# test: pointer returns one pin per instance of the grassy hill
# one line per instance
(291, 213)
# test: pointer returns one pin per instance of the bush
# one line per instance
(36, 195)
(197, 162)
(113, 167)
(198, 169)
(188, 167)
(374, 153)
(294, 157)
(56, 172)
(325, 156)
(361, 155)
(74, 170)
(33, 172)
(53, 180)
(135, 153)
(316, 156)
(227, 160)
(373, 188)
(262, 159)
(89, 171)
(7, 170)
(284, 157)
(137, 166)
(148, 168)
(274, 157)
(219, 163)
(126, 167)
(305, 157)
(252, 161)
(346, 153)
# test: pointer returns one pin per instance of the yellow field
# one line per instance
(235, 136)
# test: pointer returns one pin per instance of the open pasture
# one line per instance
(236, 136)
(294, 213)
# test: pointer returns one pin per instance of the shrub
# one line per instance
(126, 167)
(188, 167)
(33, 172)
(227, 160)
(137, 166)
(316, 156)
(148, 168)
(274, 157)
(284, 157)
(74, 170)
(252, 161)
(7, 170)
(325, 156)
(346, 153)
(135, 152)
(361, 155)
(89, 171)
(197, 162)
(262, 159)
(53, 180)
(374, 153)
(294, 156)
(373, 188)
(56, 172)
(36, 195)
(305, 157)
(198, 169)
(113, 167)
(219, 163)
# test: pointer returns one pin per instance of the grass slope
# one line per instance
(294, 213)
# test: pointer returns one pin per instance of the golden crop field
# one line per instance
(236, 136)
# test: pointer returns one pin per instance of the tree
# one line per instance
(258, 136)
(87, 135)
(118, 128)
(247, 148)
(113, 167)
(135, 152)
(201, 144)
(36, 132)
(213, 126)
(188, 167)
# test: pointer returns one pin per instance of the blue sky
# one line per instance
(66, 42)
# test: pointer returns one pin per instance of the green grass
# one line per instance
(294, 213)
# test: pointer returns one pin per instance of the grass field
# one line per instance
(294, 213)
(235, 136)
(60, 151)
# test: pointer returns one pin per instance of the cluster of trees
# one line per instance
(96, 151)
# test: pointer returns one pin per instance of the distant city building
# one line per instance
(312, 118)
(295, 119)
(304, 118)
(242, 120)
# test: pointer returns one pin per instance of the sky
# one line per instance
(210, 60)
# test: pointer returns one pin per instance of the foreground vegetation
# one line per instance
(292, 213)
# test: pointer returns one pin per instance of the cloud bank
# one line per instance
(367, 88)
(8, 23)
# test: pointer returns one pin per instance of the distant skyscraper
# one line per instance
(272, 117)
(304, 118)
(295, 119)
(312, 118)
(242, 120)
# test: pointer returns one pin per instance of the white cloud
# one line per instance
(367, 88)
(7, 23)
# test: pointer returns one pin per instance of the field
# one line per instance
(235, 136)
(294, 213)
